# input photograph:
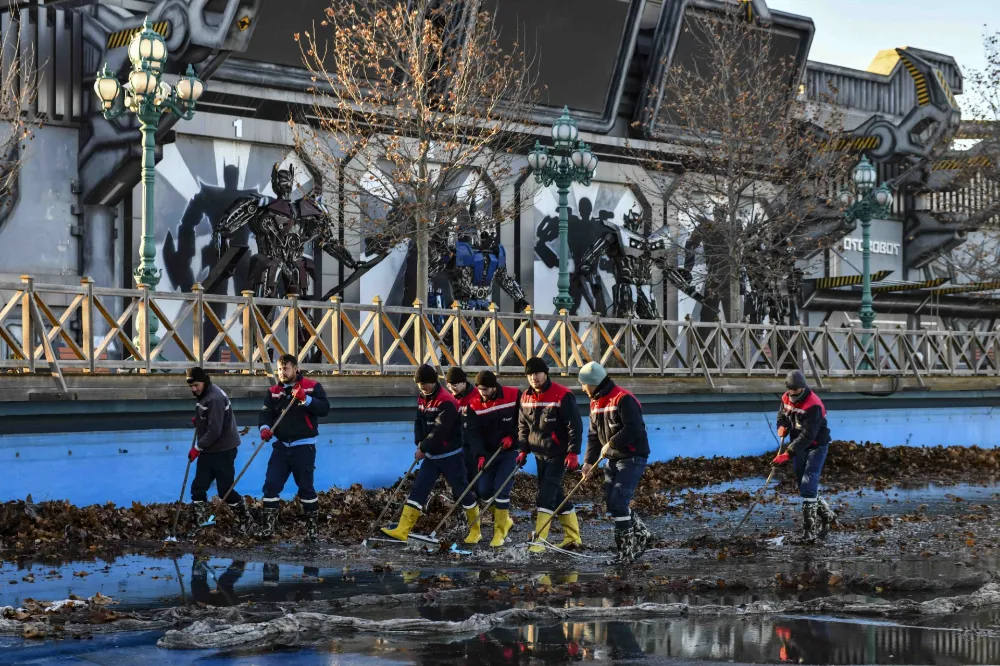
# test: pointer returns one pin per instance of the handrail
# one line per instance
(64, 329)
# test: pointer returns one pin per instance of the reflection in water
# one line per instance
(744, 640)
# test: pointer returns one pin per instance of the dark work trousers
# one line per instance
(808, 466)
(471, 463)
(453, 468)
(494, 475)
(219, 467)
(300, 462)
(621, 477)
(550, 490)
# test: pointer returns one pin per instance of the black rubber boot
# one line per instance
(268, 523)
(827, 517)
(199, 514)
(809, 521)
(642, 535)
(244, 519)
(312, 528)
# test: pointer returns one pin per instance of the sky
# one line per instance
(850, 32)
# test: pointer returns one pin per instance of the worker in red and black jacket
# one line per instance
(460, 387)
(294, 450)
(437, 432)
(618, 434)
(489, 424)
(549, 425)
(802, 417)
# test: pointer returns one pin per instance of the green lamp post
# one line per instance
(568, 161)
(863, 203)
(148, 97)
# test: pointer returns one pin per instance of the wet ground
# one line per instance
(895, 544)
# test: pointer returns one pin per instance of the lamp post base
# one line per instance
(563, 303)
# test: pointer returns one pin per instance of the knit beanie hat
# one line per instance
(796, 380)
(425, 374)
(198, 374)
(487, 379)
(456, 375)
(534, 365)
(592, 374)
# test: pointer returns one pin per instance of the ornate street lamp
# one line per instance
(568, 161)
(864, 202)
(148, 97)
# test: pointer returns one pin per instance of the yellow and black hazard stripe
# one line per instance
(123, 37)
(979, 161)
(857, 143)
(908, 286)
(923, 89)
(967, 288)
(848, 280)
(939, 75)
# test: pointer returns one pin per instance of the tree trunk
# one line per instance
(735, 314)
(423, 260)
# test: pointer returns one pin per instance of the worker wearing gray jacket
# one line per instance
(214, 449)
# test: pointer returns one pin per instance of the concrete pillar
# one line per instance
(99, 254)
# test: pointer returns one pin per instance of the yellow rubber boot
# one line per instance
(571, 531)
(406, 522)
(501, 526)
(475, 534)
(540, 532)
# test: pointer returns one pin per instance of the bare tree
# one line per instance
(968, 177)
(17, 93)
(757, 166)
(417, 108)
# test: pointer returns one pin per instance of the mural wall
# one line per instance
(589, 207)
(197, 181)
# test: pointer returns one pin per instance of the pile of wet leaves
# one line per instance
(57, 528)
(45, 619)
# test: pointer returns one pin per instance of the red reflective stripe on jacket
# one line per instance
(508, 398)
(551, 397)
(611, 400)
(811, 401)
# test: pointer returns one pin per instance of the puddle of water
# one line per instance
(819, 640)
(144, 582)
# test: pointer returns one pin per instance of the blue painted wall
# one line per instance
(148, 465)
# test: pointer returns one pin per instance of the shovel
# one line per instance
(392, 498)
(211, 519)
(760, 493)
(180, 501)
(432, 537)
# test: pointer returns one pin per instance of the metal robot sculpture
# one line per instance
(633, 255)
(473, 265)
(283, 229)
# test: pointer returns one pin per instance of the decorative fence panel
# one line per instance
(65, 329)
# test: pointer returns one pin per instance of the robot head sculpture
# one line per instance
(283, 181)
(632, 221)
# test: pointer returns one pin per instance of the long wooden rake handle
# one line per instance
(566, 499)
(392, 498)
(180, 500)
(256, 451)
(464, 492)
(760, 493)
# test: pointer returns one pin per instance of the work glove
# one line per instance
(782, 431)
(507, 442)
(299, 393)
(781, 459)
(482, 463)
(193, 453)
(522, 458)
(418, 454)
(194, 421)
(572, 461)
(265, 434)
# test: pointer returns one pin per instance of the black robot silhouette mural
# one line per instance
(595, 213)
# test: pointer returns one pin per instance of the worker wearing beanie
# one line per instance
(802, 417)
(490, 423)
(617, 433)
(461, 388)
(437, 432)
(549, 425)
(215, 450)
